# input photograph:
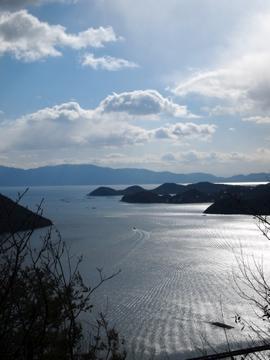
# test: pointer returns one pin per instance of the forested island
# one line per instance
(225, 199)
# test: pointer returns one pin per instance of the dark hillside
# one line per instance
(14, 217)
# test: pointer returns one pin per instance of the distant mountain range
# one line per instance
(97, 175)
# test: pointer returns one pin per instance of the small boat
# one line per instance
(221, 325)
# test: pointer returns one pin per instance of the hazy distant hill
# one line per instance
(96, 175)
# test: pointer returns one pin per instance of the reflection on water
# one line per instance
(176, 265)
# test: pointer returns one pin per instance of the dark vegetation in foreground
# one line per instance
(42, 296)
(226, 199)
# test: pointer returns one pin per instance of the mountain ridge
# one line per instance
(89, 174)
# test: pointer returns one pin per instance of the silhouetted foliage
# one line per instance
(42, 298)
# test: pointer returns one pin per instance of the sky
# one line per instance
(178, 85)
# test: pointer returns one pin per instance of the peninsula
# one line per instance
(14, 217)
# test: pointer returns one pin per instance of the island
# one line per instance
(15, 217)
(107, 191)
(164, 189)
(225, 198)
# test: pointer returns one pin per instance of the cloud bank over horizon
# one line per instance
(111, 124)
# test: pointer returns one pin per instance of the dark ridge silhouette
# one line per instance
(191, 196)
(227, 199)
(253, 201)
(210, 188)
(149, 196)
(132, 190)
(169, 188)
(107, 191)
(206, 188)
(164, 189)
(14, 217)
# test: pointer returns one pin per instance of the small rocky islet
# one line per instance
(225, 199)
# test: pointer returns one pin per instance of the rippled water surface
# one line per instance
(176, 266)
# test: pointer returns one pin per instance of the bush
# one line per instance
(42, 298)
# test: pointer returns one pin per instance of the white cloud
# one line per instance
(168, 157)
(240, 81)
(27, 38)
(67, 125)
(219, 158)
(258, 119)
(70, 126)
(179, 33)
(203, 158)
(181, 130)
(187, 161)
(213, 157)
(143, 103)
(107, 63)
(218, 84)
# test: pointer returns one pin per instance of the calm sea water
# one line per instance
(176, 264)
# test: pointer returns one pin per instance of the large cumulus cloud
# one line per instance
(143, 103)
(27, 38)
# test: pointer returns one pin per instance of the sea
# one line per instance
(180, 269)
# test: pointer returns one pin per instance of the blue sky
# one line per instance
(179, 85)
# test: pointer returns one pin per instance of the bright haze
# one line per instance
(170, 85)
